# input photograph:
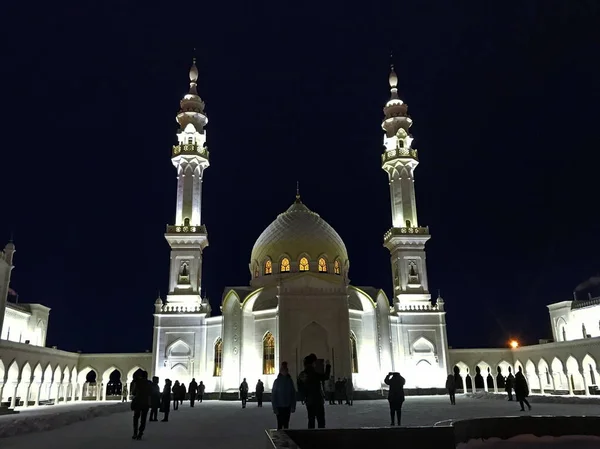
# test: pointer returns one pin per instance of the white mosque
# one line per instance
(299, 301)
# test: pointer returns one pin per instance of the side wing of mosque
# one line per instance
(299, 300)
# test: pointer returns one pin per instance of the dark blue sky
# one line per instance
(504, 99)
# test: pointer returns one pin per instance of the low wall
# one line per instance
(31, 422)
(541, 399)
(438, 437)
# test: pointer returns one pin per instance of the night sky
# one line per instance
(504, 97)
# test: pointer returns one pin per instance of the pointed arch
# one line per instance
(268, 353)
(218, 357)
(354, 352)
(268, 266)
(179, 348)
(284, 265)
(422, 345)
(322, 263)
(303, 264)
(337, 266)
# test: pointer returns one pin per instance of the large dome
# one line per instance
(294, 234)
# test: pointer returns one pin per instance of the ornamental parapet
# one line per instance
(175, 308)
(585, 303)
(418, 308)
(174, 229)
(190, 149)
(403, 232)
(388, 155)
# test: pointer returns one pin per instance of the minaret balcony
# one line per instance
(190, 149)
(389, 155)
(404, 232)
(186, 229)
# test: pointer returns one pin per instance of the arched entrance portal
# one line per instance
(313, 340)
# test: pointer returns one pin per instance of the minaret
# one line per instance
(188, 237)
(406, 239)
(6, 266)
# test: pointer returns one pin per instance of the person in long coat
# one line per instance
(395, 395)
(260, 389)
(311, 391)
(201, 388)
(165, 400)
(451, 388)
(244, 392)
(193, 389)
(140, 404)
(154, 400)
(509, 384)
(176, 392)
(283, 397)
(349, 391)
(521, 389)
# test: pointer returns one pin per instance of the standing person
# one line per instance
(521, 389)
(244, 392)
(140, 404)
(154, 399)
(125, 393)
(193, 389)
(349, 392)
(182, 392)
(260, 389)
(395, 395)
(338, 390)
(330, 390)
(165, 400)
(309, 386)
(201, 391)
(451, 388)
(176, 389)
(283, 397)
(510, 384)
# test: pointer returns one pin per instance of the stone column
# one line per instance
(57, 397)
(473, 384)
(13, 400)
(553, 382)
(569, 381)
(98, 391)
(37, 394)
(495, 384)
(585, 383)
(1, 389)
(541, 380)
(26, 398)
(464, 382)
(80, 392)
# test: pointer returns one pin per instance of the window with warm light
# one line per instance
(303, 264)
(269, 354)
(322, 265)
(218, 359)
(268, 267)
(336, 267)
(354, 353)
(285, 265)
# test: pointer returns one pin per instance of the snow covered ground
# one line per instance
(533, 442)
(218, 424)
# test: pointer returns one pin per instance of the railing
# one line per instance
(585, 303)
(399, 152)
(172, 308)
(186, 229)
(401, 232)
(190, 148)
(418, 308)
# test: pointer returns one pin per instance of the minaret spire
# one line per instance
(406, 239)
(298, 200)
(187, 236)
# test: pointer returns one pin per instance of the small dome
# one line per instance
(295, 232)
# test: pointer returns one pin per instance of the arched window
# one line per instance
(322, 265)
(218, 358)
(269, 354)
(354, 352)
(336, 267)
(285, 265)
(268, 267)
(304, 264)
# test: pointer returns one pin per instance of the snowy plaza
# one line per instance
(224, 424)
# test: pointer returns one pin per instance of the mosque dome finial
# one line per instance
(298, 200)
(393, 79)
(193, 71)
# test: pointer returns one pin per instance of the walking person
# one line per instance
(176, 389)
(349, 392)
(124, 393)
(244, 392)
(165, 400)
(283, 397)
(521, 390)
(193, 389)
(201, 391)
(140, 404)
(309, 386)
(509, 385)
(451, 388)
(339, 386)
(395, 396)
(154, 399)
(260, 389)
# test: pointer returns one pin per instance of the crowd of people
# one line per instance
(314, 386)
